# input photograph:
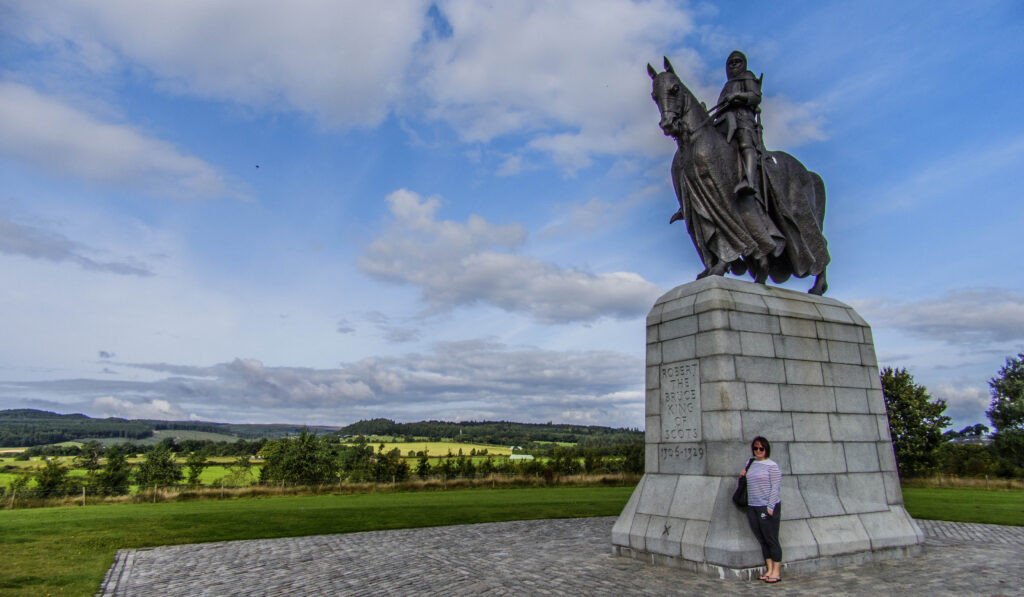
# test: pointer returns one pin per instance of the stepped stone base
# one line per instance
(727, 361)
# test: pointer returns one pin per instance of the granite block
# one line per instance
(654, 315)
(664, 535)
(723, 395)
(804, 328)
(620, 531)
(876, 400)
(862, 457)
(811, 427)
(717, 368)
(718, 342)
(805, 349)
(754, 322)
(776, 425)
(796, 539)
(695, 497)
(853, 428)
(713, 320)
(638, 531)
(760, 369)
(750, 303)
(678, 349)
(820, 495)
(833, 313)
(886, 457)
(817, 457)
(651, 458)
(722, 426)
(695, 534)
(803, 372)
(807, 398)
(727, 459)
(713, 299)
(676, 308)
(653, 377)
(657, 495)
(677, 328)
(793, 505)
(763, 396)
(839, 534)
(654, 354)
(652, 400)
(838, 331)
(652, 429)
(652, 334)
(844, 352)
(892, 528)
(851, 400)
(867, 355)
(847, 376)
(753, 344)
(791, 308)
(862, 492)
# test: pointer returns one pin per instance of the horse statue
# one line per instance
(776, 234)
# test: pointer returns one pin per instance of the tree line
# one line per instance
(916, 421)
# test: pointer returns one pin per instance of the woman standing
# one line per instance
(764, 483)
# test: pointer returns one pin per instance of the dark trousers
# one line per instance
(766, 530)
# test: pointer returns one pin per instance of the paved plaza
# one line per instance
(541, 557)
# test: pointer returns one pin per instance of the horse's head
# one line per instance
(671, 97)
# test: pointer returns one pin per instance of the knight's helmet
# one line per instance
(739, 69)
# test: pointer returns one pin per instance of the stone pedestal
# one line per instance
(729, 360)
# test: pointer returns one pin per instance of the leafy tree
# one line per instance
(195, 464)
(303, 460)
(1007, 414)
(423, 468)
(115, 477)
(89, 458)
(53, 480)
(915, 422)
(158, 468)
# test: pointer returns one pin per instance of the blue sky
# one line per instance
(320, 212)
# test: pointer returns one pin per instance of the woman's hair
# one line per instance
(763, 442)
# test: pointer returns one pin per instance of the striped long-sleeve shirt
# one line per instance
(764, 483)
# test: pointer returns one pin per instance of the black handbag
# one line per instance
(739, 497)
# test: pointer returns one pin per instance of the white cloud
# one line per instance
(341, 61)
(788, 124)
(109, 406)
(474, 379)
(972, 317)
(37, 243)
(455, 264)
(511, 67)
(54, 136)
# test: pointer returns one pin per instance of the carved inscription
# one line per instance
(682, 459)
(680, 402)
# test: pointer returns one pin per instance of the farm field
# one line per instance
(67, 550)
(440, 449)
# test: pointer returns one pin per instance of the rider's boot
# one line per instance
(749, 182)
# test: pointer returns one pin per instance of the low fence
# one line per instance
(83, 496)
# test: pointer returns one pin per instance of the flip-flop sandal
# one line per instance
(772, 581)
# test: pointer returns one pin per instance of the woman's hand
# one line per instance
(744, 473)
(771, 512)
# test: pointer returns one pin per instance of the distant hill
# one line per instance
(495, 432)
(29, 427)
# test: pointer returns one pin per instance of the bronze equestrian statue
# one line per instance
(745, 208)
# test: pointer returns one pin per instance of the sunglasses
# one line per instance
(759, 448)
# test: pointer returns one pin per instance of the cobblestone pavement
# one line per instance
(542, 557)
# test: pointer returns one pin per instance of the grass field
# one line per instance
(966, 505)
(66, 551)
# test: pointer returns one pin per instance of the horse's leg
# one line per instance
(820, 285)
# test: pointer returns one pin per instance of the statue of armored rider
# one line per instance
(738, 110)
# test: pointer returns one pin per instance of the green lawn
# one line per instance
(66, 551)
(965, 505)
